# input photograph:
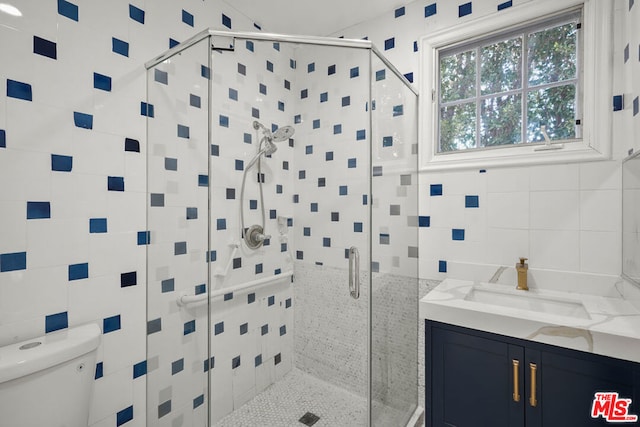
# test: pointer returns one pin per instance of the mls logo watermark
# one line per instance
(612, 408)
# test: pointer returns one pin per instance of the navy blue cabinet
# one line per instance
(476, 379)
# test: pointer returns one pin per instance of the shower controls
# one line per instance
(354, 272)
(254, 237)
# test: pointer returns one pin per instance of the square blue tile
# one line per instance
(436, 189)
(13, 261)
(618, 102)
(38, 210)
(120, 47)
(177, 366)
(442, 266)
(471, 201)
(464, 10)
(187, 18)
(45, 47)
(115, 183)
(147, 110)
(226, 21)
(218, 328)
(60, 163)
(68, 10)
(3, 138)
(430, 10)
(399, 12)
(139, 369)
(457, 234)
(144, 237)
(83, 120)
(111, 324)
(97, 225)
(124, 416)
(78, 271)
(168, 285)
(505, 5)
(389, 43)
(380, 75)
(136, 14)
(19, 90)
(424, 221)
(55, 322)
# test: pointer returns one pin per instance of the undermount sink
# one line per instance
(524, 300)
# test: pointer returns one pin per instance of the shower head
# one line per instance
(269, 148)
(283, 133)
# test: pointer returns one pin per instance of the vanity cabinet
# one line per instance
(476, 379)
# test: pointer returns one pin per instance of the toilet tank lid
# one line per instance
(53, 349)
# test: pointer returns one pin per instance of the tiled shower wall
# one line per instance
(563, 217)
(72, 155)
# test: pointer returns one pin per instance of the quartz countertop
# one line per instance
(610, 327)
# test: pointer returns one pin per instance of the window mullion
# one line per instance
(478, 92)
(525, 84)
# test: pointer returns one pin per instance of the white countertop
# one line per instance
(610, 326)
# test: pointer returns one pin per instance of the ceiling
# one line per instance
(311, 17)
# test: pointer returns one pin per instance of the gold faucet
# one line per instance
(522, 268)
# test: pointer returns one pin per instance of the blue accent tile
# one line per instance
(45, 47)
(154, 326)
(436, 189)
(97, 225)
(324, 97)
(304, 93)
(102, 82)
(202, 288)
(203, 180)
(365, 199)
(299, 254)
(251, 298)
(399, 12)
(119, 46)
(442, 266)
(228, 296)
(381, 75)
(223, 121)
(287, 84)
(269, 66)
(271, 300)
(457, 234)
(387, 141)
(189, 327)
(111, 324)
(144, 237)
(276, 46)
(136, 14)
(346, 101)
(618, 103)
(389, 43)
(357, 227)
(19, 90)
(354, 72)
(187, 18)
(215, 150)
(311, 67)
(398, 110)
(161, 76)
(55, 322)
(235, 362)
(183, 131)
(60, 163)
(3, 138)
(415, 46)
(258, 360)
(331, 69)
(99, 370)
(115, 183)
(505, 5)
(192, 213)
(287, 303)
(168, 285)
(198, 401)
(264, 329)
(308, 149)
(147, 109)
(205, 72)
(430, 10)
(164, 408)
(237, 262)
(180, 248)
(128, 279)
(124, 416)
(211, 256)
(173, 43)
(352, 163)
(409, 77)
(38, 210)
(244, 328)
(280, 105)
(226, 21)
(170, 164)
(83, 120)
(636, 106)
(249, 45)
(283, 330)
(253, 204)
(78, 271)
(68, 9)
(342, 190)
(314, 207)
(262, 89)
(335, 216)
(139, 369)
(337, 129)
(464, 10)
(306, 231)
(361, 134)
(221, 224)
(218, 328)
(177, 366)
(316, 123)
(195, 101)
(326, 242)
(483, 171)
(424, 221)
(471, 201)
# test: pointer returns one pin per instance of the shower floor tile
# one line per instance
(285, 402)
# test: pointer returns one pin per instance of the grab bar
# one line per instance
(185, 299)
(354, 272)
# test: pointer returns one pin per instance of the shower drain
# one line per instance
(309, 419)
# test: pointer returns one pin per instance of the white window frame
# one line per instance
(597, 68)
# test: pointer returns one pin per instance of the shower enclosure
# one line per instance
(282, 230)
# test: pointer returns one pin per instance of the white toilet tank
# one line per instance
(47, 381)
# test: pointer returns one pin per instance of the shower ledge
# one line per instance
(605, 323)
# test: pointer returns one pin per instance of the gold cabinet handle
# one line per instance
(532, 399)
(516, 387)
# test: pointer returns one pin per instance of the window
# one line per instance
(520, 88)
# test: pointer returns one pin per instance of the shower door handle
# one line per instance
(354, 272)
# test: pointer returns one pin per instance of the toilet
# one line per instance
(47, 381)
